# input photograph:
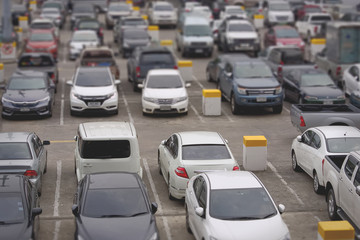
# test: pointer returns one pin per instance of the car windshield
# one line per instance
(125, 202)
(164, 81)
(163, 8)
(93, 79)
(11, 208)
(83, 8)
(316, 80)
(105, 149)
(313, 10)
(51, 5)
(88, 25)
(136, 35)
(84, 37)
(134, 22)
(342, 145)
(240, 28)
(279, 7)
(292, 56)
(40, 61)
(286, 33)
(241, 204)
(41, 37)
(197, 30)
(205, 152)
(119, 7)
(252, 71)
(14, 151)
(50, 11)
(41, 26)
(26, 83)
(156, 58)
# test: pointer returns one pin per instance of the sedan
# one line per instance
(185, 154)
(162, 13)
(90, 24)
(44, 24)
(351, 79)
(232, 205)
(93, 89)
(42, 41)
(311, 86)
(81, 39)
(114, 205)
(133, 38)
(283, 35)
(116, 11)
(23, 153)
(308, 150)
(19, 207)
(28, 93)
(164, 92)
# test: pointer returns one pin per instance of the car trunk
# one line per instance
(194, 167)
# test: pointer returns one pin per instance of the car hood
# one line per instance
(242, 35)
(94, 91)
(323, 92)
(15, 231)
(164, 93)
(137, 42)
(138, 227)
(26, 95)
(257, 82)
(80, 45)
(289, 41)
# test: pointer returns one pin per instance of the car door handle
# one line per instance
(88, 165)
(340, 178)
(350, 190)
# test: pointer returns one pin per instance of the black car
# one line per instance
(82, 10)
(351, 17)
(19, 10)
(43, 62)
(90, 24)
(312, 86)
(144, 59)
(126, 23)
(114, 205)
(132, 38)
(28, 93)
(19, 207)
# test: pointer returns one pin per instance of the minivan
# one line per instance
(194, 35)
(105, 147)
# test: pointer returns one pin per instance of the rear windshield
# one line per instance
(205, 152)
(105, 149)
(134, 22)
(83, 8)
(163, 8)
(343, 145)
(14, 151)
(41, 37)
(11, 208)
(292, 57)
(156, 58)
(321, 18)
(97, 54)
(41, 26)
(119, 7)
(41, 61)
(286, 33)
(88, 24)
(136, 35)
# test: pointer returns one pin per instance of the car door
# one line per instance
(167, 156)
(315, 155)
(356, 197)
(291, 86)
(201, 201)
(304, 149)
(227, 79)
(347, 193)
(192, 203)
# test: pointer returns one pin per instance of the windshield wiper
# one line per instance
(242, 218)
(113, 216)
(270, 215)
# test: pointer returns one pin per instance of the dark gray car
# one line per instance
(132, 38)
(82, 10)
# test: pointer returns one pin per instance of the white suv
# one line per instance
(279, 12)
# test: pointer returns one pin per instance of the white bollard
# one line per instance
(168, 44)
(316, 46)
(335, 230)
(258, 21)
(154, 33)
(2, 73)
(211, 102)
(8, 51)
(185, 68)
(136, 11)
(23, 22)
(19, 32)
(254, 153)
(33, 6)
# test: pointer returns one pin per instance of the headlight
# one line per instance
(111, 95)
(187, 43)
(154, 236)
(257, 40)
(310, 98)
(278, 90)
(180, 99)
(29, 47)
(78, 96)
(147, 99)
(210, 43)
(302, 44)
(279, 44)
(5, 100)
(126, 45)
(341, 97)
(241, 90)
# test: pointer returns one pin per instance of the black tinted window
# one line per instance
(205, 152)
(14, 151)
(105, 149)
(350, 166)
(41, 61)
(164, 81)
(41, 26)
(93, 79)
(156, 58)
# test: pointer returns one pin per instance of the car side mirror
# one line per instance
(75, 209)
(36, 211)
(228, 74)
(141, 86)
(75, 138)
(46, 142)
(69, 82)
(199, 211)
(299, 138)
(281, 208)
(163, 142)
(117, 81)
(154, 207)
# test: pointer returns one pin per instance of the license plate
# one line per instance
(94, 104)
(261, 99)
(198, 50)
(328, 102)
(244, 45)
(24, 109)
(165, 108)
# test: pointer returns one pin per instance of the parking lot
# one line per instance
(304, 208)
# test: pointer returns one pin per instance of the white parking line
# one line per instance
(57, 199)
(317, 218)
(197, 113)
(286, 109)
(285, 183)
(198, 82)
(227, 116)
(62, 101)
(157, 199)
(126, 105)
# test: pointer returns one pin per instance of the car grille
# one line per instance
(282, 18)
(249, 41)
(25, 104)
(88, 99)
(165, 101)
(251, 92)
(198, 44)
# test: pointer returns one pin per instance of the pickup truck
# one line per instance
(309, 26)
(304, 116)
(342, 179)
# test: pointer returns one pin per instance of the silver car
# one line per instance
(23, 153)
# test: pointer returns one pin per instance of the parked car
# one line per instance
(249, 83)
(162, 13)
(54, 15)
(116, 11)
(305, 9)
(80, 40)
(310, 25)
(19, 208)
(351, 17)
(224, 204)
(311, 86)
(100, 6)
(44, 24)
(91, 24)
(105, 147)
(28, 93)
(309, 149)
(164, 91)
(42, 41)
(59, 4)
(19, 10)
(278, 12)
(231, 11)
(126, 23)
(133, 38)
(93, 89)
(283, 35)
(144, 59)
(82, 10)
(23, 153)
(203, 11)
(42, 62)
(126, 208)
(185, 154)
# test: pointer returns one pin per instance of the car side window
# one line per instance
(35, 146)
(316, 141)
(350, 166)
(228, 68)
(306, 137)
(357, 178)
(175, 147)
(203, 195)
(197, 186)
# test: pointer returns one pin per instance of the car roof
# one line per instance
(232, 7)
(90, 69)
(14, 136)
(309, 70)
(50, 9)
(111, 180)
(339, 131)
(163, 72)
(10, 183)
(200, 137)
(84, 31)
(195, 20)
(232, 180)
(162, 3)
(110, 130)
(42, 20)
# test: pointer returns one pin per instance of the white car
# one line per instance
(189, 5)
(351, 79)
(93, 89)
(164, 92)
(45, 23)
(232, 205)
(116, 11)
(81, 39)
(232, 11)
(53, 14)
(278, 12)
(203, 11)
(162, 13)
(185, 154)
(308, 150)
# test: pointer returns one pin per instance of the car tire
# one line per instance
(277, 109)
(159, 164)
(235, 109)
(72, 113)
(316, 185)
(170, 196)
(187, 220)
(294, 163)
(50, 111)
(331, 205)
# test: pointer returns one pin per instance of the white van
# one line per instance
(105, 147)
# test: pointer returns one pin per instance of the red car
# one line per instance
(301, 12)
(283, 35)
(42, 41)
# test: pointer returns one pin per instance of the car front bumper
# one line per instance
(110, 105)
(259, 100)
(154, 108)
(9, 110)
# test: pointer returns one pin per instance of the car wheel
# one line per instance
(169, 187)
(159, 164)
(208, 76)
(234, 106)
(187, 220)
(316, 185)
(225, 48)
(135, 88)
(294, 163)
(331, 205)
(277, 109)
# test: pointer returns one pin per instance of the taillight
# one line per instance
(316, 66)
(30, 173)
(137, 71)
(216, 31)
(302, 122)
(101, 32)
(52, 76)
(181, 172)
(338, 71)
(216, 9)
(315, 29)
(236, 168)
(175, 67)
(211, 17)
(279, 71)
(75, 29)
